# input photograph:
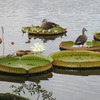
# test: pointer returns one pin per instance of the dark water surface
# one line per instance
(70, 14)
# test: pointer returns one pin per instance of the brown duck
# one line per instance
(47, 25)
(82, 38)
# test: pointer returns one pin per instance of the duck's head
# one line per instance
(44, 20)
(84, 29)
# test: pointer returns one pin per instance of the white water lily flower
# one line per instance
(55, 31)
(38, 47)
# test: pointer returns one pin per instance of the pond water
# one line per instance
(70, 14)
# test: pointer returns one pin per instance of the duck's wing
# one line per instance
(49, 25)
(53, 24)
(80, 40)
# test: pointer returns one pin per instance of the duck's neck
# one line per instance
(83, 32)
(45, 21)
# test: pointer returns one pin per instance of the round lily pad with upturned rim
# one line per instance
(27, 64)
(90, 45)
(97, 36)
(23, 52)
(76, 59)
(37, 30)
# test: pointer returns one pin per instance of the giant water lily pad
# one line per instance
(37, 30)
(97, 36)
(90, 45)
(24, 52)
(76, 59)
(27, 64)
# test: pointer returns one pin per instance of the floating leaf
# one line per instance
(97, 36)
(25, 64)
(90, 45)
(76, 59)
(37, 30)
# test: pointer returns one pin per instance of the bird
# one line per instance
(48, 25)
(82, 38)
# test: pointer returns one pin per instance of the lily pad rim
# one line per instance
(25, 71)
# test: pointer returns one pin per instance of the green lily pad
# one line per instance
(76, 59)
(26, 64)
(90, 45)
(37, 30)
(67, 43)
(97, 36)
(93, 43)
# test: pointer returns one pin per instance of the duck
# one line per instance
(82, 38)
(47, 25)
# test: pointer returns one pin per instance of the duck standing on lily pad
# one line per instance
(81, 40)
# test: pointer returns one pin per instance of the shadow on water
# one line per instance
(33, 87)
(22, 78)
(79, 72)
(44, 38)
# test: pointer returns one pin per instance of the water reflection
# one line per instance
(23, 78)
(33, 87)
(79, 72)
(44, 38)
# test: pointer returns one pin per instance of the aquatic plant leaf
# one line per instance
(93, 43)
(97, 36)
(25, 64)
(37, 30)
(90, 45)
(67, 43)
(76, 59)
